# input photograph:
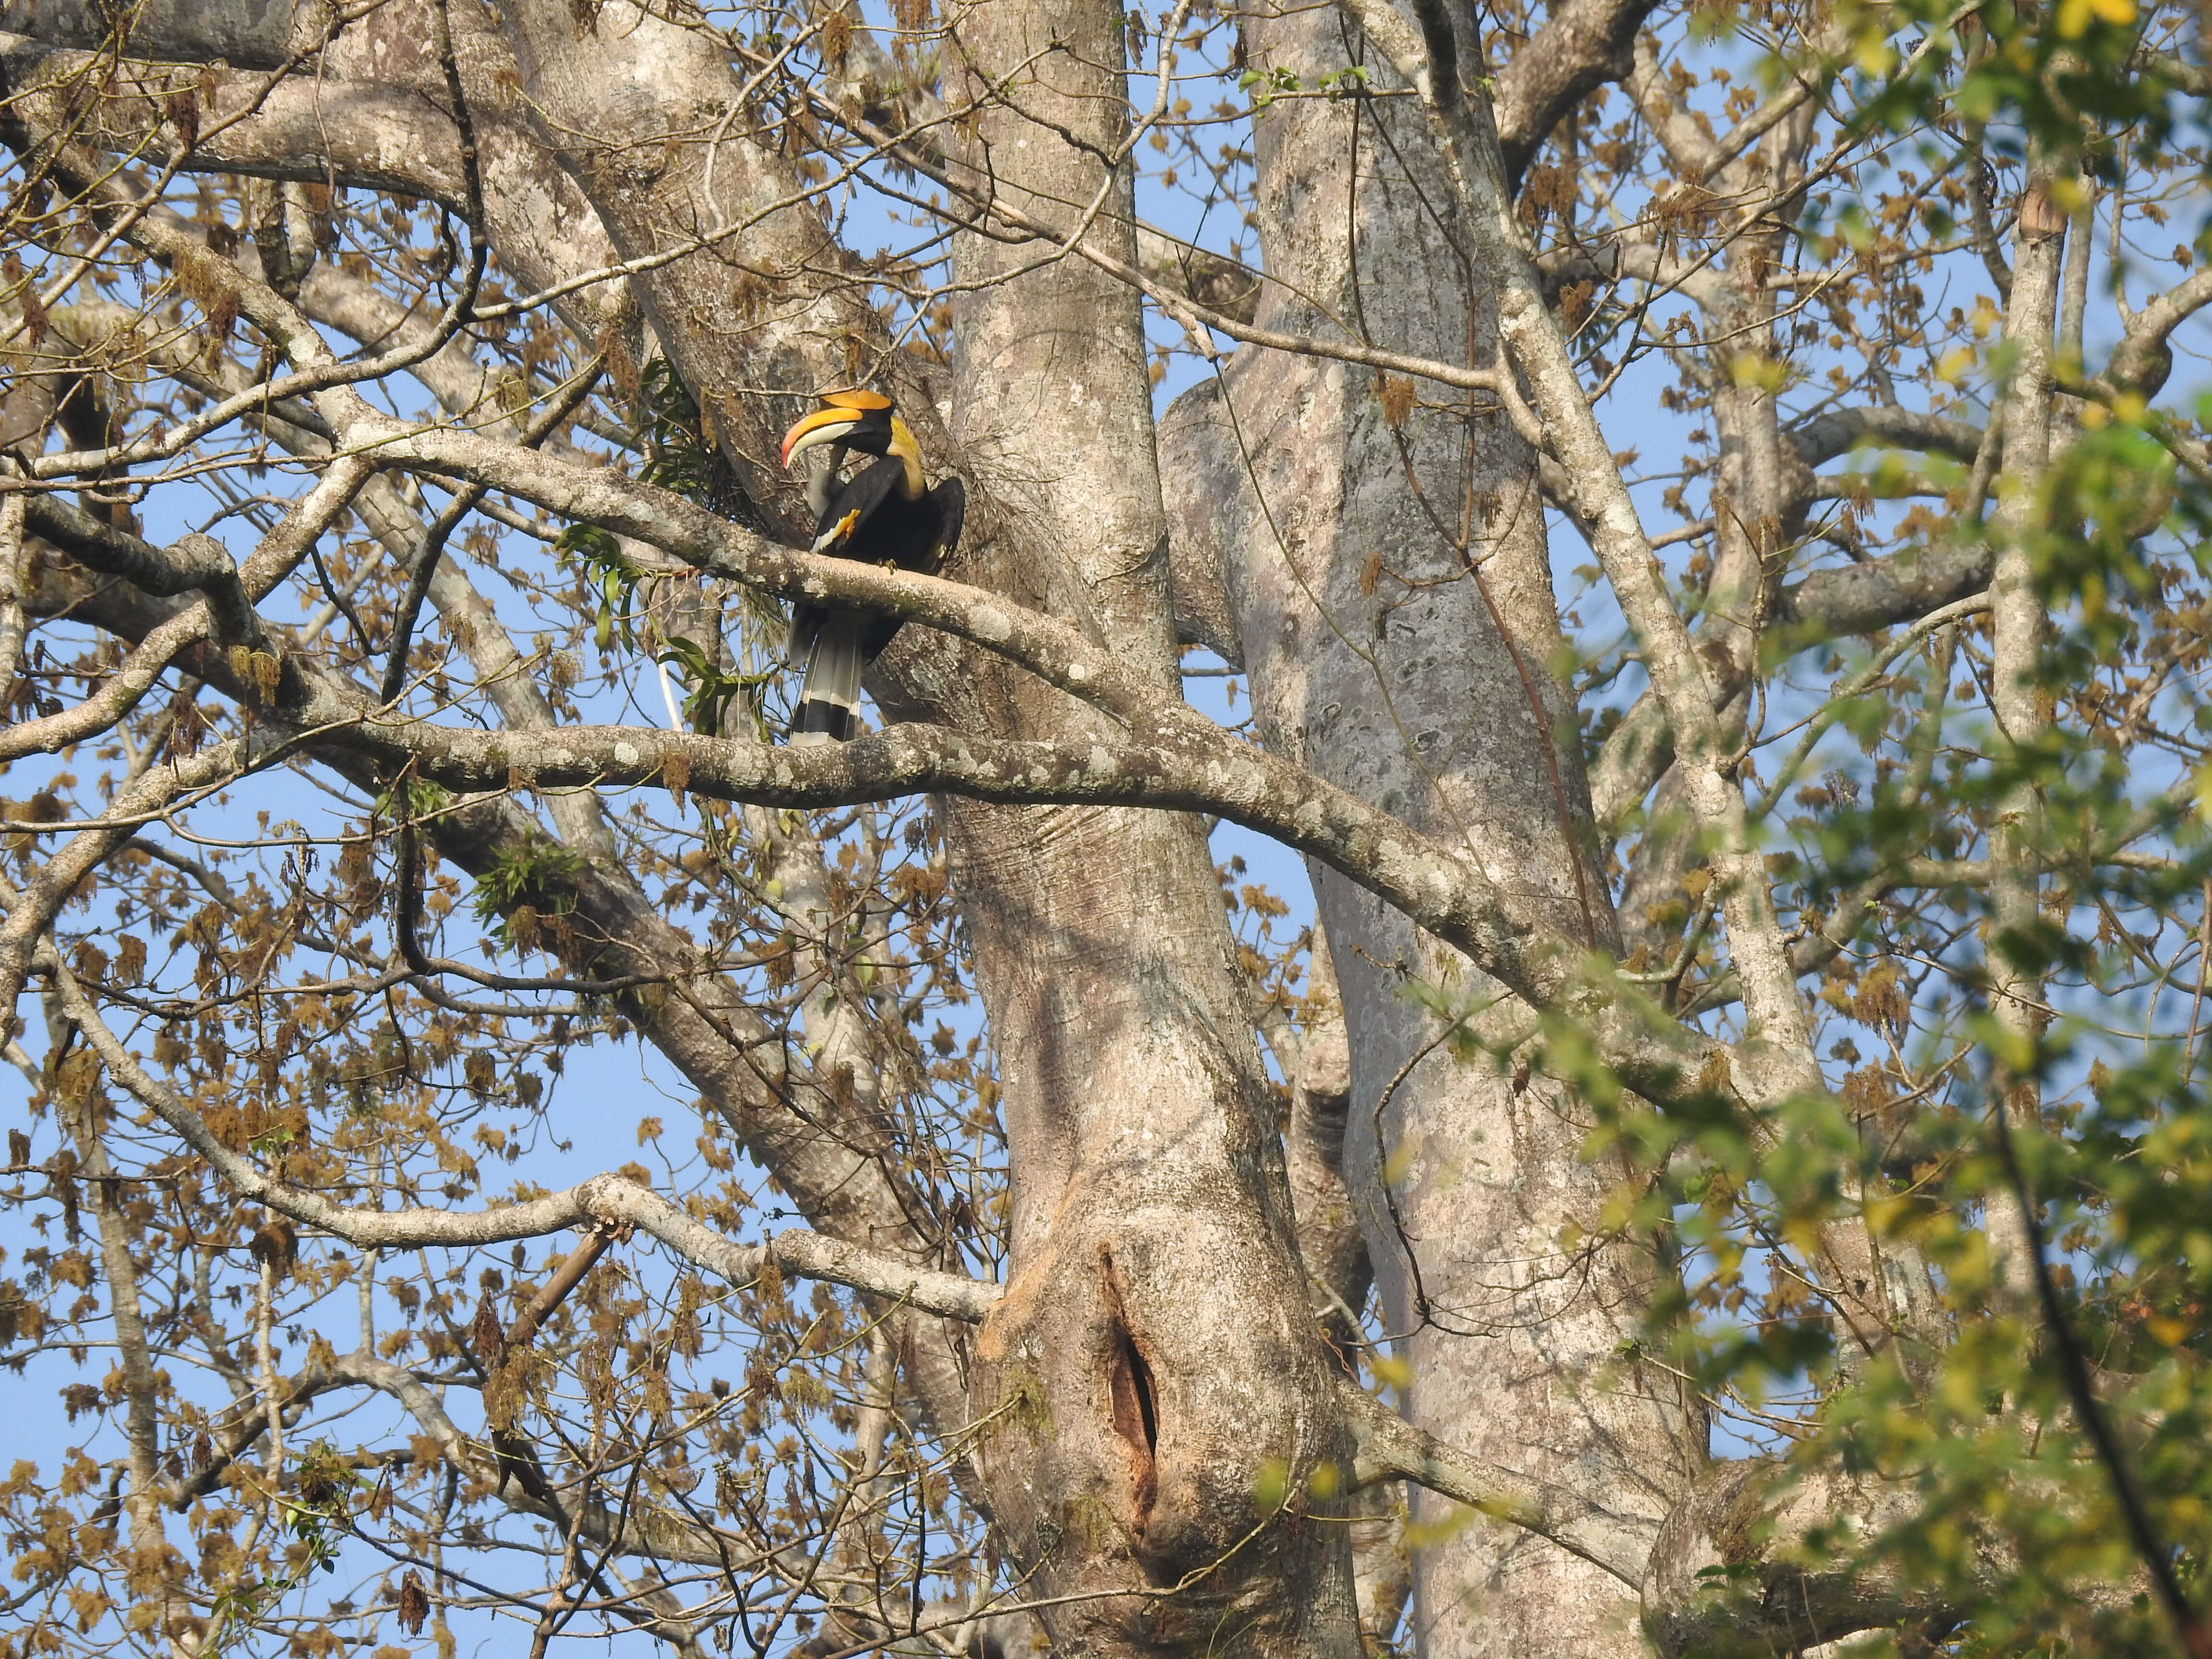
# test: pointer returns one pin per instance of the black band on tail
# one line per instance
(816, 718)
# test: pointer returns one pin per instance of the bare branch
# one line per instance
(602, 1199)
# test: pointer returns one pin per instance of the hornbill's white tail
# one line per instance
(829, 698)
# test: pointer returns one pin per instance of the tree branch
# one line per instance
(1583, 44)
(602, 1199)
(191, 564)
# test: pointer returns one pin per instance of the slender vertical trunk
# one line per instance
(152, 1559)
(11, 596)
(1387, 567)
(1882, 1292)
(2017, 698)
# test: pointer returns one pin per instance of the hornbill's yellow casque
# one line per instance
(886, 514)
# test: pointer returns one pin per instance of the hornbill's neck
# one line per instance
(822, 482)
(911, 485)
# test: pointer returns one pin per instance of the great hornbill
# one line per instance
(886, 513)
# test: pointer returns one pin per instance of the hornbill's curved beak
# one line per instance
(847, 412)
(823, 425)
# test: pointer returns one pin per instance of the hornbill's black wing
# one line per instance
(841, 532)
(843, 528)
(926, 543)
(835, 644)
(871, 517)
(950, 498)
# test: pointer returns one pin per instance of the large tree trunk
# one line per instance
(1156, 1376)
(1388, 568)
(1154, 1384)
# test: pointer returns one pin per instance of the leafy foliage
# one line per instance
(811, 970)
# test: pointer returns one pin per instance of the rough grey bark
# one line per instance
(737, 292)
(1318, 1063)
(1397, 622)
(250, 33)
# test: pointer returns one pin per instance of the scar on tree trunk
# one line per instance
(1134, 1402)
